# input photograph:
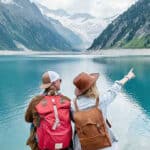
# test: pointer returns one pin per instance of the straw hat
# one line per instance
(84, 81)
(48, 78)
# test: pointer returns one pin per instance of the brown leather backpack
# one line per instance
(91, 128)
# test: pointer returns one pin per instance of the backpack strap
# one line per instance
(57, 121)
(76, 105)
(63, 98)
(97, 104)
(108, 123)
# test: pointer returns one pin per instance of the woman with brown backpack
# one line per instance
(89, 111)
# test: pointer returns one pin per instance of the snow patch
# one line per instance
(21, 46)
(85, 26)
(7, 1)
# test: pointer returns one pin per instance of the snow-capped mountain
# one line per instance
(23, 27)
(84, 25)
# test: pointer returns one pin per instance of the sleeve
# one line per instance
(30, 112)
(72, 110)
(109, 96)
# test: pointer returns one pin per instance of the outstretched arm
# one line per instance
(108, 97)
(127, 77)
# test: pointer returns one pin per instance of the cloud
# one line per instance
(81, 5)
(7, 1)
(99, 8)
(55, 4)
(108, 8)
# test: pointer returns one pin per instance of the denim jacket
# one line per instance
(105, 100)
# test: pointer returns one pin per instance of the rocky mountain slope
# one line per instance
(22, 26)
(129, 30)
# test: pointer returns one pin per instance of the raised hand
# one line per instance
(127, 77)
(130, 74)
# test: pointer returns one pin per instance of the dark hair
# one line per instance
(50, 90)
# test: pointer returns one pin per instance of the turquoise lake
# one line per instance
(20, 78)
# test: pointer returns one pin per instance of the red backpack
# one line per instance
(54, 131)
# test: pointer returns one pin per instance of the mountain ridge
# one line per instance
(22, 22)
(130, 30)
(84, 25)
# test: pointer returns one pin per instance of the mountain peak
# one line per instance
(57, 12)
(82, 15)
(60, 12)
(84, 25)
(23, 26)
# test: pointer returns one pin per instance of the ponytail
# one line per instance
(51, 91)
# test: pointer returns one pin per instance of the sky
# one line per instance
(98, 8)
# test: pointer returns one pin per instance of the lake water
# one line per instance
(20, 77)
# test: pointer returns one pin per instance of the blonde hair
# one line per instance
(92, 92)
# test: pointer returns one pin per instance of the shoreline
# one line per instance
(96, 53)
(122, 52)
(9, 52)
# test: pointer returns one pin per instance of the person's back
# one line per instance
(86, 94)
(49, 114)
(91, 128)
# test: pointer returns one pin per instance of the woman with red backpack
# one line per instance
(89, 111)
(49, 115)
